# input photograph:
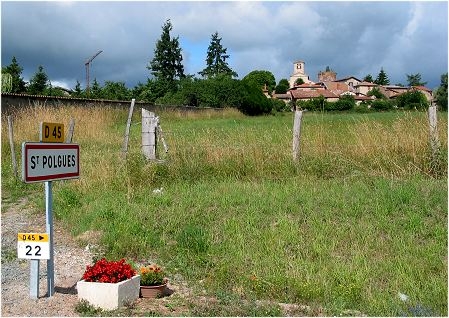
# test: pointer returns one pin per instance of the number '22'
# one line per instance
(30, 248)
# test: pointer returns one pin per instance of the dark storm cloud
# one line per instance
(353, 38)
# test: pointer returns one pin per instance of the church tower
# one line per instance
(327, 76)
(299, 72)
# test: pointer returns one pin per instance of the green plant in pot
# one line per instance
(153, 282)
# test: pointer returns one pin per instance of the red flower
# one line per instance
(104, 271)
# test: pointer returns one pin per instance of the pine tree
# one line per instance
(368, 78)
(216, 60)
(95, 90)
(166, 65)
(415, 80)
(382, 78)
(39, 82)
(77, 92)
(15, 70)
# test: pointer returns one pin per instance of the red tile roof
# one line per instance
(307, 86)
(363, 97)
(347, 78)
(364, 83)
(337, 87)
(299, 94)
(282, 96)
(422, 88)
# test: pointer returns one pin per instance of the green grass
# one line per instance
(361, 216)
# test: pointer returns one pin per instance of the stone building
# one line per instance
(327, 76)
(299, 72)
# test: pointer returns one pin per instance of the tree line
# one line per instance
(216, 86)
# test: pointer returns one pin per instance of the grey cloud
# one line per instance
(353, 38)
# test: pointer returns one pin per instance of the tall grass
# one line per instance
(361, 216)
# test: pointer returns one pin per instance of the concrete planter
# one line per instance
(109, 296)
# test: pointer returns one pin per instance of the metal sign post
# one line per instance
(49, 228)
(46, 161)
(34, 278)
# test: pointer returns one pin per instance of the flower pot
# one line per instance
(109, 296)
(153, 291)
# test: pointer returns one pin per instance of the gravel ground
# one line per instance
(70, 260)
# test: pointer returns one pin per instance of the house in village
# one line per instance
(332, 88)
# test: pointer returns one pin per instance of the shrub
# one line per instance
(382, 104)
(279, 105)
(345, 102)
(412, 100)
(314, 104)
(254, 102)
(363, 107)
(376, 93)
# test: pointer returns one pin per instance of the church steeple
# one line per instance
(299, 71)
(298, 67)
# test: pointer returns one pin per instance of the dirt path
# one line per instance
(70, 261)
(70, 257)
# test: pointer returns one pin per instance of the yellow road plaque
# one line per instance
(51, 132)
(33, 237)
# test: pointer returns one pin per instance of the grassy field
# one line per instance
(359, 218)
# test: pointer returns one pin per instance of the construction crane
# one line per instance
(87, 70)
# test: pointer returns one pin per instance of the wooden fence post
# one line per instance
(434, 142)
(71, 130)
(149, 125)
(297, 134)
(128, 124)
(161, 135)
(11, 144)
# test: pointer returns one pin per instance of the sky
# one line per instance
(353, 38)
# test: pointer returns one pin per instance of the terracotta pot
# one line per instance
(153, 291)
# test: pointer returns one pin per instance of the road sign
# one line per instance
(51, 132)
(33, 246)
(49, 161)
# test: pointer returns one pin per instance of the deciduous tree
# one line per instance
(413, 99)
(441, 93)
(115, 91)
(262, 78)
(282, 87)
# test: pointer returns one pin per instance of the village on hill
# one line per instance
(332, 88)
